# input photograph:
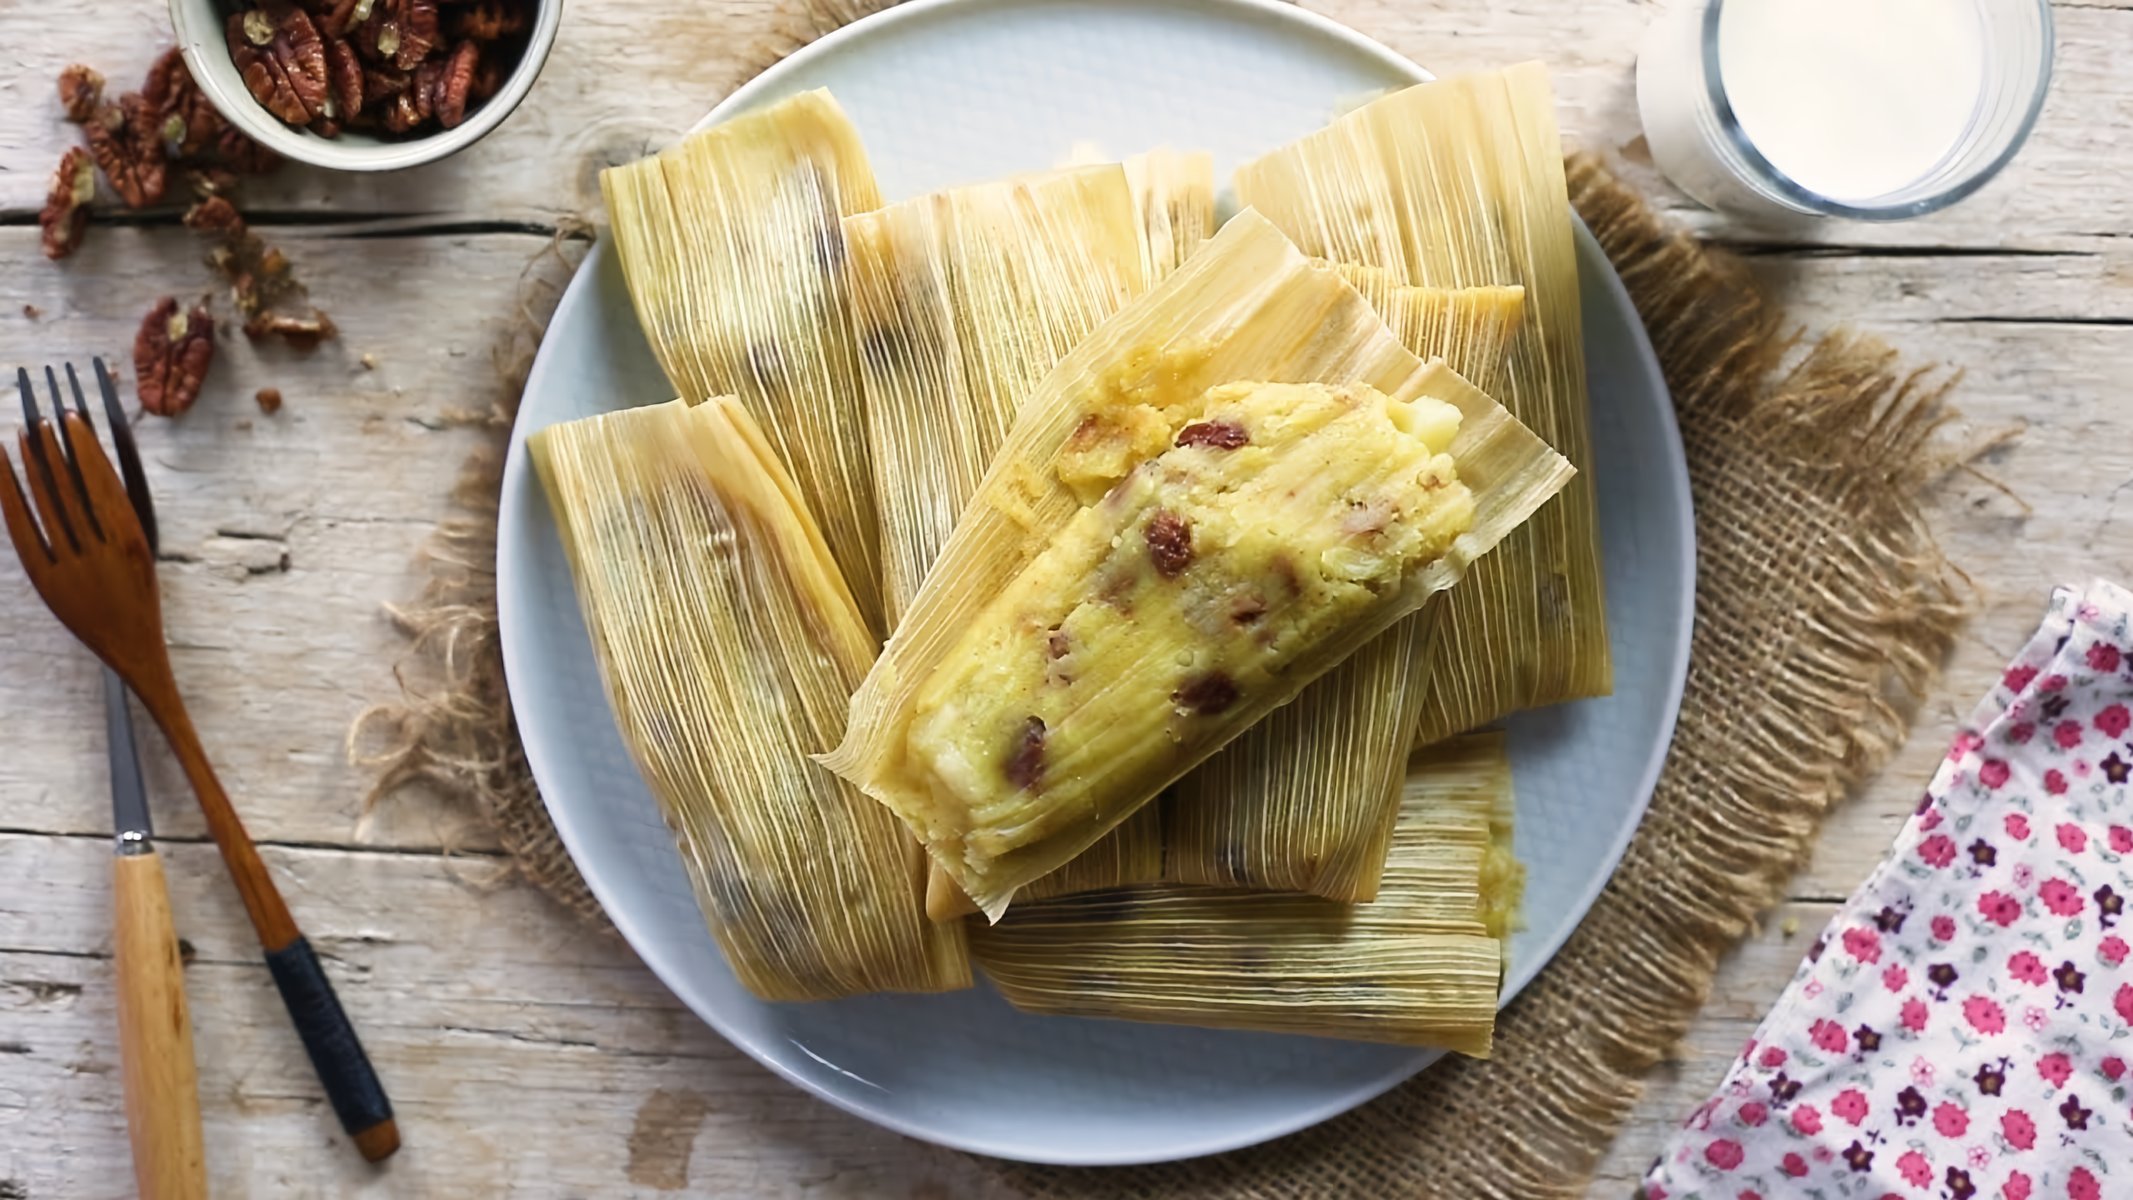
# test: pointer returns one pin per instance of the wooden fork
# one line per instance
(91, 564)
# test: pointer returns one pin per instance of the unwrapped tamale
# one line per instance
(729, 644)
(962, 301)
(1459, 183)
(1422, 965)
(732, 247)
(1305, 801)
(1228, 488)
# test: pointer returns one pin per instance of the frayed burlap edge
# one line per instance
(1823, 608)
(450, 729)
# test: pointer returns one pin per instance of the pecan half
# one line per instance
(408, 31)
(81, 89)
(186, 124)
(1169, 538)
(171, 355)
(65, 219)
(1219, 435)
(279, 53)
(236, 150)
(345, 75)
(1025, 758)
(128, 148)
(488, 20)
(453, 84)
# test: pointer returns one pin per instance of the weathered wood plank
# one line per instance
(523, 1056)
(2074, 181)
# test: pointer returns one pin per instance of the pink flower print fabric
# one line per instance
(1964, 1028)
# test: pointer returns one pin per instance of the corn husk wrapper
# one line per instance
(732, 247)
(728, 644)
(1247, 306)
(962, 301)
(1305, 802)
(1420, 966)
(1453, 184)
(1175, 193)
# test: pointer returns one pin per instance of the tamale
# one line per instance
(1420, 966)
(1458, 183)
(962, 300)
(1175, 194)
(732, 249)
(1305, 802)
(1180, 383)
(728, 645)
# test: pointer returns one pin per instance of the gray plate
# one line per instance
(950, 91)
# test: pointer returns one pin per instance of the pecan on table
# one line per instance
(128, 147)
(81, 89)
(171, 355)
(279, 53)
(271, 301)
(65, 218)
(185, 122)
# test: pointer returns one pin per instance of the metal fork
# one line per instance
(155, 1032)
(87, 553)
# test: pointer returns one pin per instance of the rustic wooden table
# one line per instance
(526, 1054)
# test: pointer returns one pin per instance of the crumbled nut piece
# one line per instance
(1218, 435)
(272, 303)
(268, 399)
(126, 141)
(32, 312)
(171, 355)
(1169, 538)
(302, 333)
(1207, 695)
(286, 73)
(81, 90)
(369, 361)
(65, 219)
(1025, 759)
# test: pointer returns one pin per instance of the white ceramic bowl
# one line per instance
(200, 24)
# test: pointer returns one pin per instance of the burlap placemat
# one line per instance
(1822, 608)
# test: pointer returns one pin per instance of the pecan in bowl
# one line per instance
(377, 77)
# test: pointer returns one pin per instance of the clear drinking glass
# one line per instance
(1698, 141)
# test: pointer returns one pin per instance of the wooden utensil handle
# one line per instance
(336, 1054)
(155, 1036)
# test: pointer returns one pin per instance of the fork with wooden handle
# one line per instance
(92, 565)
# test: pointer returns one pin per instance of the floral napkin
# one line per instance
(1964, 1027)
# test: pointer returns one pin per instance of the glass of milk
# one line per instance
(1877, 109)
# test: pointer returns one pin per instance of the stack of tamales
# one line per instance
(1144, 509)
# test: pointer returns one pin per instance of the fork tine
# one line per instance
(21, 527)
(81, 486)
(129, 453)
(102, 492)
(37, 464)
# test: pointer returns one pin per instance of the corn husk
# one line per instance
(1174, 192)
(728, 644)
(1247, 306)
(731, 245)
(1306, 801)
(962, 301)
(1420, 966)
(1453, 184)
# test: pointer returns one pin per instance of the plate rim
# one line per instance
(514, 487)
